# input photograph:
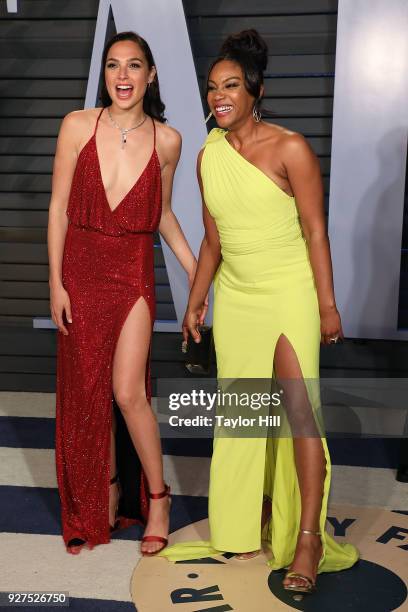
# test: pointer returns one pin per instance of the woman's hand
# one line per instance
(192, 319)
(60, 303)
(330, 326)
(204, 308)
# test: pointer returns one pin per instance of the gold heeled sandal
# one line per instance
(308, 584)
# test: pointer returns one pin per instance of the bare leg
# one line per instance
(310, 463)
(129, 366)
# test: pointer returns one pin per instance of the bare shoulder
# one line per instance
(77, 126)
(168, 139)
(81, 119)
(168, 144)
(289, 143)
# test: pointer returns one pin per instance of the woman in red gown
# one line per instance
(112, 183)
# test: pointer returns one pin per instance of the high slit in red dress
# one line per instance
(107, 266)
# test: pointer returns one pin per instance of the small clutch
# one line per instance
(199, 354)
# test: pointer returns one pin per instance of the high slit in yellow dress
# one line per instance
(264, 288)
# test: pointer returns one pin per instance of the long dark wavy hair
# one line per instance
(152, 102)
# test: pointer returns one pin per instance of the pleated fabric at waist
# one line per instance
(266, 267)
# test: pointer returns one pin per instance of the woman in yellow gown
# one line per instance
(266, 244)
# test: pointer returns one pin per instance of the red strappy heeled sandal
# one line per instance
(153, 538)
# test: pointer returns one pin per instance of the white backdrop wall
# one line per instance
(369, 147)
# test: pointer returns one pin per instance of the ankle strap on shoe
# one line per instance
(310, 532)
(161, 494)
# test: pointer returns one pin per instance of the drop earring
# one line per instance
(208, 117)
(256, 114)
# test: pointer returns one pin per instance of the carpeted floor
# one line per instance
(33, 556)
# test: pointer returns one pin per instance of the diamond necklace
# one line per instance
(124, 131)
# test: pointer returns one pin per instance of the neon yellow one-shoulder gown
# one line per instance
(264, 288)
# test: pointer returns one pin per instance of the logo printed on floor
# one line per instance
(376, 583)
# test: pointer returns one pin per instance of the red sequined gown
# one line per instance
(107, 267)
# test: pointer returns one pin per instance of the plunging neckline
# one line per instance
(229, 145)
(125, 197)
(113, 210)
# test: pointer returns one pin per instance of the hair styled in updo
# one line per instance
(249, 50)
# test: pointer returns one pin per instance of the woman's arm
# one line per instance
(208, 262)
(304, 176)
(64, 165)
(169, 226)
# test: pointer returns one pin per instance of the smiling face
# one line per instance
(227, 96)
(127, 73)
